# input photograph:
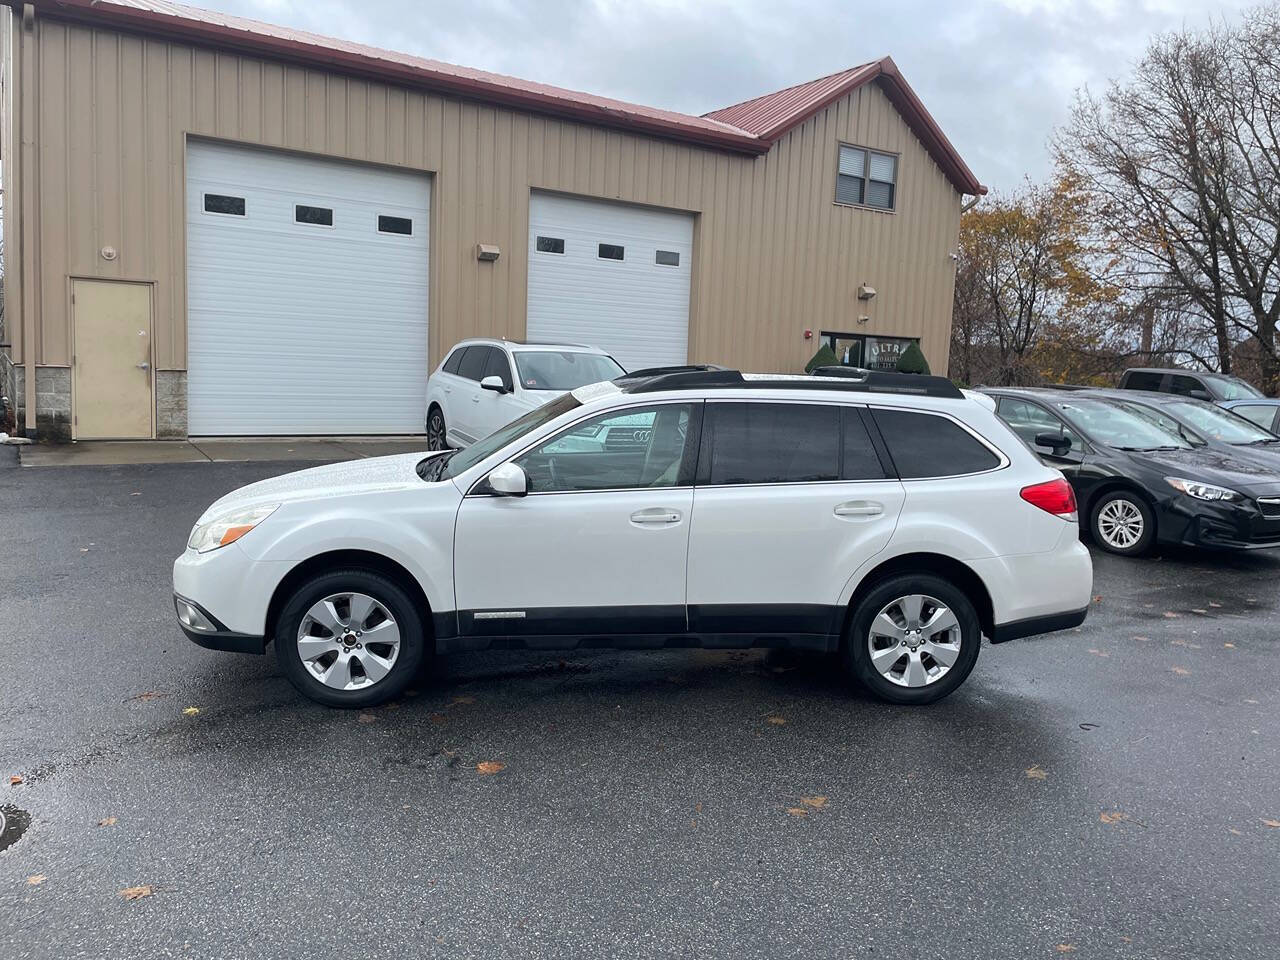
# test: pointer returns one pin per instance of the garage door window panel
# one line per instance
(926, 446)
(313, 216)
(224, 205)
(667, 258)
(621, 450)
(550, 245)
(403, 226)
(611, 251)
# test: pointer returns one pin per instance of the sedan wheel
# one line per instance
(1123, 524)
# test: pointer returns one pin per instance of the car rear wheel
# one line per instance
(350, 638)
(1121, 522)
(913, 639)
(436, 431)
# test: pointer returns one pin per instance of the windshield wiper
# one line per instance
(1254, 443)
(432, 469)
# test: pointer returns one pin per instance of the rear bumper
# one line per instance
(1032, 626)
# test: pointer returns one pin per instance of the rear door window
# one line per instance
(1029, 420)
(771, 443)
(455, 358)
(1261, 414)
(1183, 385)
(925, 445)
(473, 362)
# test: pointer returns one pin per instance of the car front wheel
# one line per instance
(350, 638)
(913, 639)
(1121, 522)
(436, 430)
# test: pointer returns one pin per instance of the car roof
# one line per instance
(1244, 401)
(518, 345)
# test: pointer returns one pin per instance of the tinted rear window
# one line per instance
(923, 445)
(772, 443)
(473, 363)
(455, 358)
(1142, 381)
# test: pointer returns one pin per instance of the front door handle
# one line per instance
(144, 365)
(859, 509)
(655, 516)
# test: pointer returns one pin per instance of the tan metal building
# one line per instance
(217, 226)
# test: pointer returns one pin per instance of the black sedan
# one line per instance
(1138, 484)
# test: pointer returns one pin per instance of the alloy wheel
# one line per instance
(348, 641)
(914, 640)
(435, 432)
(1120, 524)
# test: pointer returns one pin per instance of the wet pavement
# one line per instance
(1106, 792)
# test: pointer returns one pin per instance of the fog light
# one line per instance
(191, 617)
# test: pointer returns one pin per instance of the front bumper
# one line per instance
(204, 629)
(1219, 525)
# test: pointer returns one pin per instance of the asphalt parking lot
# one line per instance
(1105, 792)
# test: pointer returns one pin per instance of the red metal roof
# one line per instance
(752, 127)
(772, 115)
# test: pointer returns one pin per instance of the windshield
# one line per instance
(1221, 425)
(1231, 388)
(1116, 427)
(564, 369)
(1163, 421)
(468, 458)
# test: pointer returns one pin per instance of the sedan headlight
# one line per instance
(1201, 491)
(228, 527)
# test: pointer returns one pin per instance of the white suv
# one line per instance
(474, 390)
(888, 518)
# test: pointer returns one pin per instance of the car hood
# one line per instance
(332, 480)
(1239, 472)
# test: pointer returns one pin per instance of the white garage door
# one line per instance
(612, 276)
(306, 294)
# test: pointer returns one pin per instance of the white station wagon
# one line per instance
(888, 518)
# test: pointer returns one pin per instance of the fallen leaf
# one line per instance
(816, 802)
(15, 779)
(1235, 831)
(1212, 604)
(137, 893)
(1113, 817)
(1270, 823)
(1143, 639)
(36, 879)
(1250, 701)
(697, 807)
(464, 699)
(1198, 610)
(776, 720)
(1098, 653)
(486, 767)
(107, 822)
(1231, 646)
(149, 695)
(366, 718)
(191, 711)
(1097, 599)
(84, 549)
(1035, 772)
(1171, 615)
(1181, 671)
(797, 811)
(1065, 948)
(136, 493)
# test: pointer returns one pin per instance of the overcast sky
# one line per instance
(996, 74)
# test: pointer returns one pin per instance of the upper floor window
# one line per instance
(866, 178)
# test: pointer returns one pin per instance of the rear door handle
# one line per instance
(475, 399)
(655, 516)
(855, 509)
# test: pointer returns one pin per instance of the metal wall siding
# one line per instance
(773, 253)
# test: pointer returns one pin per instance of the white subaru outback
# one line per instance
(888, 518)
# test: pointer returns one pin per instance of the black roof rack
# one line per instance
(711, 377)
(664, 371)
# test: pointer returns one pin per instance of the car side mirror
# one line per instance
(1059, 444)
(508, 480)
(493, 383)
(1200, 395)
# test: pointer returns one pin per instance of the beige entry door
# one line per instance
(111, 375)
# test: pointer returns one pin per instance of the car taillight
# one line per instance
(1052, 496)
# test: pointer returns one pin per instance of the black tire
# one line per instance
(1124, 501)
(437, 432)
(406, 665)
(857, 652)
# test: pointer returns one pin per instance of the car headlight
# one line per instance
(1201, 491)
(228, 527)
